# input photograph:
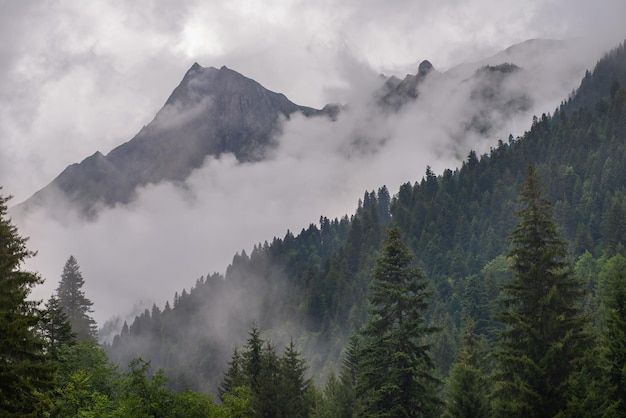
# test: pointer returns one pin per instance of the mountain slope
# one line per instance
(312, 286)
(211, 112)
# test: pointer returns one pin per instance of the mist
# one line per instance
(142, 253)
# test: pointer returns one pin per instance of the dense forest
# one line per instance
(496, 289)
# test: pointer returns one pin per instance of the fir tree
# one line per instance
(25, 369)
(395, 371)
(542, 341)
(72, 298)
(295, 391)
(615, 329)
(234, 375)
(467, 384)
(55, 327)
(267, 400)
(252, 358)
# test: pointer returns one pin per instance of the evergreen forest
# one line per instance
(495, 289)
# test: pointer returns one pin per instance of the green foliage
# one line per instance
(87, 385)
(614, 337)
(266, 385)
(72, 298)
(26, 371)
(395, 371)
(236, 403)
(56, 328)
(467, 385)
(543, 339)
(78, 398)
(295, 386)
(86, 357)
(141, 395)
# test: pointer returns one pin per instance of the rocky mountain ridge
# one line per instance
(216, 111)
(211, 112)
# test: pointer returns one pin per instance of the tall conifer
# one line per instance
(73, 300)
(615, 329)
(542, 341)
(55, 326)
(25, 369)
(395, 371)
(467, 384)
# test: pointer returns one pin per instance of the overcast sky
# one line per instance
(78, 77)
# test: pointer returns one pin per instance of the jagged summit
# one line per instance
(424, 68)
(397, 93)
(209, 113)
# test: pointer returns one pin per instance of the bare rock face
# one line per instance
(407, 90)
(424, 68)
(210, 113)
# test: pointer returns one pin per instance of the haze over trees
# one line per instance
(457, 226)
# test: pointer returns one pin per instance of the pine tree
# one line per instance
(295, 386)
(72, 298)
(252, 358)
(615, 329)
(266, 401)
(395, 371)
(25, 370)
(542, 341)
(234, 376)
(467, 384)
(55, 327)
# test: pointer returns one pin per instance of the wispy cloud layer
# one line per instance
(75, 79)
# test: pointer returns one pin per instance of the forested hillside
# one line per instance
(312, 286)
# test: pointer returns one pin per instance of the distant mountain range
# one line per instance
(216, 111)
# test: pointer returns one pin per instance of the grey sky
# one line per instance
(78, 77)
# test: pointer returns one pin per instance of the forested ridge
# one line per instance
(450, 255)
(455, 223)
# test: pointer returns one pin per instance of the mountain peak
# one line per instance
(424, 68)
(210, 112)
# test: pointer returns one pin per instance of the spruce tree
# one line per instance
(395, 371)
(234, 376)
(55, 327)
(72, 298)
(295, 391)
(542, 341)
(25, 370)
(615, 329)
(467, 387)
